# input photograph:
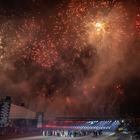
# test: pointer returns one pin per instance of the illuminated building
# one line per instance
(4, 111)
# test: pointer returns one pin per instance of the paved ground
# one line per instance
(60, 138)
(50, 138)
(105, 137)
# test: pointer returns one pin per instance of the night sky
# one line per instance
(71, 57)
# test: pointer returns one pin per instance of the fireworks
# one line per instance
(138, 23)
(45, 54)
(84, 40)
(74, 28)
(99, 26)
(118, 89)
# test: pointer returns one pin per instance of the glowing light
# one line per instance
(99, 26)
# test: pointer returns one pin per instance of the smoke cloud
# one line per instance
(73, 62)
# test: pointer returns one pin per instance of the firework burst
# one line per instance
(82, 44)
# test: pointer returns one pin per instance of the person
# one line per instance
(44, 133)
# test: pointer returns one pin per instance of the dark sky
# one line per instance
(21, 7)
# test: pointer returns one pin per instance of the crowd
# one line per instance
(71, 133)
